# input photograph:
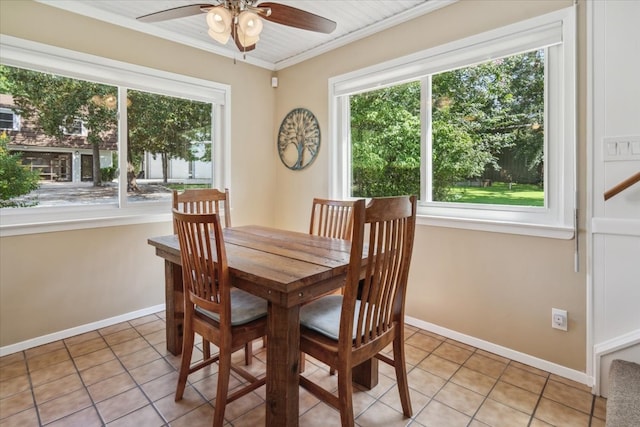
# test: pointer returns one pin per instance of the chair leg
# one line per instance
(185, 361)
(345, 396)
(224, 369)
(401, 375)
(206, 349)
(302, 363)
(248, 353)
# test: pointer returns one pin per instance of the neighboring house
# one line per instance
(178, 169)
(68, 159)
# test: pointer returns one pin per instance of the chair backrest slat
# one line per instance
(332, 218)
(390, 224)
(204, 200)
(205, 270)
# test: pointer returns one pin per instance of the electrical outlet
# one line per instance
(559, 319)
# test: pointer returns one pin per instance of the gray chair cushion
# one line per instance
(245, 308)
(323, 316)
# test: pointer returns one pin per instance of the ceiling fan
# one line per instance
(241, 19)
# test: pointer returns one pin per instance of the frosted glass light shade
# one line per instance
(219, 19)
(250, 24)
(219, 37)
(245, 40)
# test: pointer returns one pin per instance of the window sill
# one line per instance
(24, 222)
(493, 226)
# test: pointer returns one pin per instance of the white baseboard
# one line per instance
(46, 339)
(527, 359)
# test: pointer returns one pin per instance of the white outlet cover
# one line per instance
(559, 319)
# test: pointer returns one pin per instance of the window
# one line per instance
(482, 130)
(75, 128)
(109, 141)
(170, 142)
(9, 120)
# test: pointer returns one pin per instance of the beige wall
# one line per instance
(496, 287)
(56, 281)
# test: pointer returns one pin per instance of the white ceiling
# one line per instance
(280, 46)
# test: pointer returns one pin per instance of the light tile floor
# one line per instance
(122, 375)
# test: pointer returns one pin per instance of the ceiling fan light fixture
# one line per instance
(246, 40)
(219, 19)
(219, 37)
(242, 20)
(250, 24)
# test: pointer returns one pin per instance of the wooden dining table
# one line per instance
(287, 269)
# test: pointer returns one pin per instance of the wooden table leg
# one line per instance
(283, 358)
(174, 306)
(366, 373)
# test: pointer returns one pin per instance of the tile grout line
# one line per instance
(32, 388)
(84, 386)
(432, 398)
(485, 398)
(138, 385)
(93, 402)
(546, 381)
(593, 407)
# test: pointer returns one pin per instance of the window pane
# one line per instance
(169, 145)
(385, 142)
(487, 135)
(488, 132)
(66, 136)
(7, 117)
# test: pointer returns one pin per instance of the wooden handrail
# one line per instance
(622, 186)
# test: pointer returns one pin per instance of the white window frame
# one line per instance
(15, 119)
(40, 57)
(555, 32)
(77, 129)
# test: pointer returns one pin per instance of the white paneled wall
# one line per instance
(614, 229)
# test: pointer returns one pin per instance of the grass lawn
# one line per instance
(500, 194)
(182, 186)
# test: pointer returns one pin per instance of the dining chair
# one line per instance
(223, 315)
(208, 200)
(344, 331)
(204, 200)
(331, 218)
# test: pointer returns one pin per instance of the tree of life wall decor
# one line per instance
(298, 139)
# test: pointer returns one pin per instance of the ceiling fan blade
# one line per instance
(176, 12)
(287, 15)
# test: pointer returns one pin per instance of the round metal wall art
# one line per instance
(299, 139)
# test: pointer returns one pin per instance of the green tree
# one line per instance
(163, 125)
(58, 102)
(166, 126)
(455, 157)
(481, 114)
(15, 179)
(385, 135)
(499, 104)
